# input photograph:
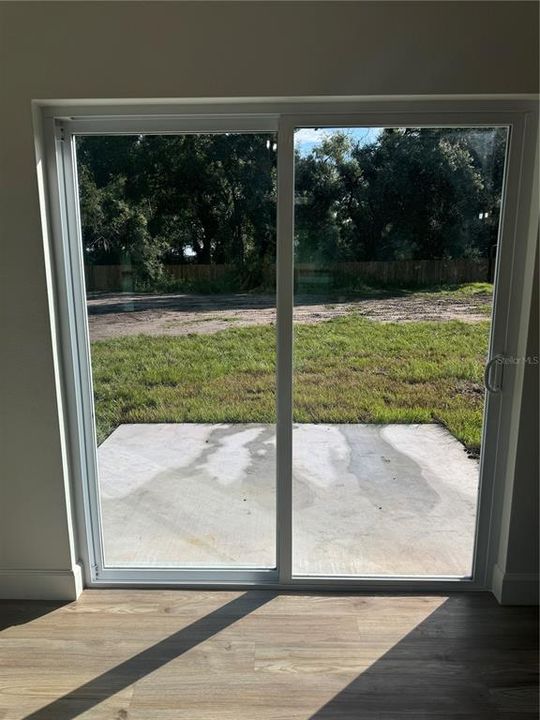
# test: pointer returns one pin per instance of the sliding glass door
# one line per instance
(177, 236)
(279, 328)
(396, 232)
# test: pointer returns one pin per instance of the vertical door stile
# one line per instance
(285, 288)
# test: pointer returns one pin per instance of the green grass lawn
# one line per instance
(463, 290)
(347, 370)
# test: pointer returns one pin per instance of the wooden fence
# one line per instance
(111, 278)
(395, 273)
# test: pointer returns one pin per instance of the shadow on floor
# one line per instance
(19, 612)
(461, 663)
(121, 676)
(470, 659)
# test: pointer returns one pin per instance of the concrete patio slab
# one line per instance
(368, 499)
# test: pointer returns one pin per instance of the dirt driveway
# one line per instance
(115, 314)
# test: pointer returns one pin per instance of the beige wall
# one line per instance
(524, 549)
(171, 50)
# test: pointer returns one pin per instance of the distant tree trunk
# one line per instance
(210, 227)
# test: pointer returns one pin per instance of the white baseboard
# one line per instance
(515, 588)
(41, 584)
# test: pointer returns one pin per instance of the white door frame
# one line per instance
(514, 274)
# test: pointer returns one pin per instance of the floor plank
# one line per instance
(203, 655)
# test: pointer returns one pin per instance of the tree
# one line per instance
(413, 193)
(204, 198)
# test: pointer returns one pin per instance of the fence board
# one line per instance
(110, 278)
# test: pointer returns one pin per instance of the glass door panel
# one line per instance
(178, 235)
(395, 242)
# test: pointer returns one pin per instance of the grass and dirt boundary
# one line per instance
(349, 368)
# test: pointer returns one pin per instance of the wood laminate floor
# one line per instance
(201, 655)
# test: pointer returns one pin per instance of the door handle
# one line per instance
(493, 387)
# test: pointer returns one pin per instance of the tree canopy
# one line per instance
(211, 198)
